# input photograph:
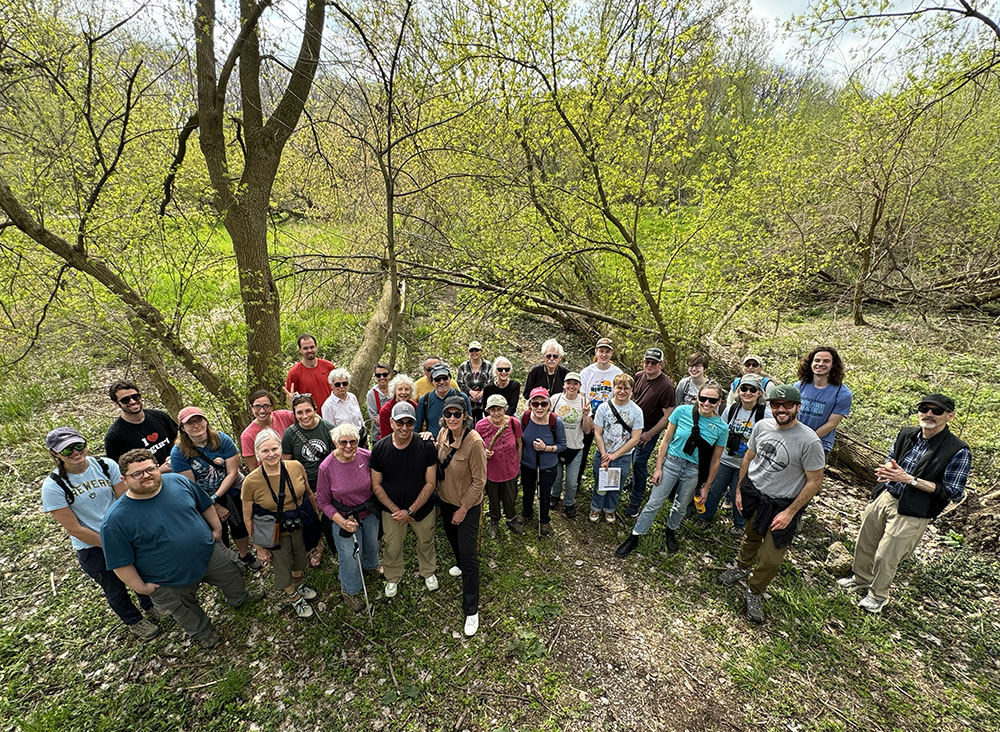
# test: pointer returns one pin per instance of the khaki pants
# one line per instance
(393, 534)
(288, 557)
(760, 551)
(885, 539)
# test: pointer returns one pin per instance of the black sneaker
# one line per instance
(672, 544)
(570, 511)
(553, 502)
(754, 605)
(493, 529)
(516, 527)
(627, 546)
(631, 514)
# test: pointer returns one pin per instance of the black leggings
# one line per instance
(463, 539)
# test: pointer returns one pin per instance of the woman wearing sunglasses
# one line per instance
(78, 493)
(502, 384)
(543, 438)
(342, 407)
(748, 409)
(688, 458)
(461, 478)
(344, 495)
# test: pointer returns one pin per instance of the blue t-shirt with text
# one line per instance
(818, 405)
(93, 495)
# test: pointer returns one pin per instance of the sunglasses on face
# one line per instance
(381, 376)
(439, 379)
(925, 408)
(785, 406)
(708, 399)
(130, 398)
(338, 384)
(75, 447)
(136, 475)
(503, 370)
(347, 443)
(452, 414)
(539, 404)
(750, 389)
(404, 422)
(551, 356)
(751, 364)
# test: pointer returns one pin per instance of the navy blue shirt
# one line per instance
(543, 432)
(165, 537)
(429, 409)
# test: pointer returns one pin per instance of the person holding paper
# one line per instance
(618, 425)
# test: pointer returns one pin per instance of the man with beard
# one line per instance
(311, 374)
(932, 469)
(162, 539)
(139, 428)
(781, 471)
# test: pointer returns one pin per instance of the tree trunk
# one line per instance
(852, 454)
(374, 339)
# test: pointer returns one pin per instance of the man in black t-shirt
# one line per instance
(404, 472)
(138, 428)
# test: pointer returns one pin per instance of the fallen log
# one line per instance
(853, 455)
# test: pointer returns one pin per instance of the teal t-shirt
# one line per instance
(713, 430)
(165, 537)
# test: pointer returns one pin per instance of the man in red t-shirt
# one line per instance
(311, 374)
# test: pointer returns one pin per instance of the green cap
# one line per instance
(784, 393)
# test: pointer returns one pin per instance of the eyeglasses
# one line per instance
(439, 379)
(748, 388)
(338, 384)
(381, 376)
(452, 414)
(347, 443)
(75, 447)
(261, 407)
(503, 370)
(136, 475)
(539, 404)
(923, 409)
(129, 398)
(552, 357)
(708, 399)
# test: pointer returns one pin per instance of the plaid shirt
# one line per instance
(955, 475)
(468, 379)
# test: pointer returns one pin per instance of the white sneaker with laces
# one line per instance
(455, 572)
(872, 604)
(471, 624)
(391, 588)
(851, 584)
(431, 582)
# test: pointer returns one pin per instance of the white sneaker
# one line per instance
(431, 582)
(391, 588)
(851, 584)
(872, 604)
(455, 572)
(471, 624)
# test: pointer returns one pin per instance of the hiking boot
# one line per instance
(515, 526)
(733, 575)
(306, 591)
(852, 584)
(302, 608)
(355, 603)
(569, 511)
(872, 604)
(494, 529)
(157, 613)
(210, 640)
(553, 502)
(609, 516)
(431, 582)
(672, 544)
(144, 629)
(544, 529)
(755, 605)
(595, 516)
(627, 546)
(251, 562)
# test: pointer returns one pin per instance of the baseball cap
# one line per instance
(63, 437)
(403, 409)
(940, 400)
(785, 393)
(604, 343)
(439, 370)
(475, 346)
(653, 354)
(753, 357)
(185, 415)
(496, 400)
(752, 380)
(572, 376)
(538, 391)
(454, 402)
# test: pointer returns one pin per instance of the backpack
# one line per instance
(67, 490)
(552, 423)
(758, 412)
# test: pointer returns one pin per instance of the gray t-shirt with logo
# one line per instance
(782, 458)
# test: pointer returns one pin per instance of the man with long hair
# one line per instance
(826, 400)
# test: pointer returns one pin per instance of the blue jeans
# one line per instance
(349, 573)
(609, 501)
(115, 591)
(676, 471)
(725, 481)
(640, 471)
(572, 473)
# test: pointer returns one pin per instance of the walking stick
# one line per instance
(364, 587)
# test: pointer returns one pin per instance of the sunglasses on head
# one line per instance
(925, 408)
(452, 414)
(539, 404)
(129, 398)
(381, 376)
(339, 384)
(749, 388)
(439, 379)
(75, 447)
(708, 399)
(503, 370)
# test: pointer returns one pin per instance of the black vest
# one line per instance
(941, 448)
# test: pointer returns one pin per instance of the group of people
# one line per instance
(158, 514)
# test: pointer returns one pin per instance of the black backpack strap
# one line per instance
(67, 491)
(625, 425)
